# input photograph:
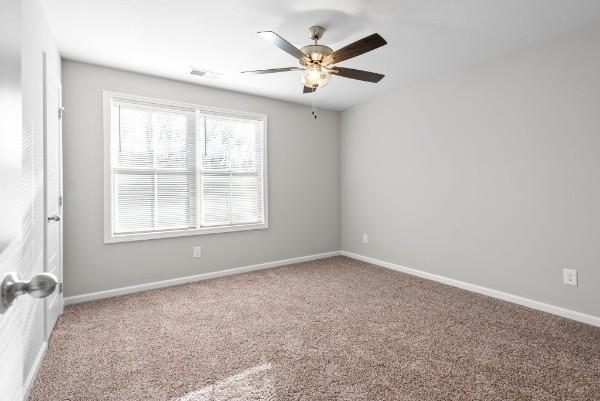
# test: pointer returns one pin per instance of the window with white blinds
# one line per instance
(176, 169)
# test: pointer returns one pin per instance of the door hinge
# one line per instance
(61, 111)
(60, 288)
(60, 200)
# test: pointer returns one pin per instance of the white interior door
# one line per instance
(13, 322)
(53, 196)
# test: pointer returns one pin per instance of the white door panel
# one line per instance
(14, 321)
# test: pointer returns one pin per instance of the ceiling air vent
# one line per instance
(204, 73)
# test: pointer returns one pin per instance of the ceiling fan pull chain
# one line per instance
(315, 95)
(314, 103)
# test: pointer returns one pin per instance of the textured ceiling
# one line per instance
(425, 37)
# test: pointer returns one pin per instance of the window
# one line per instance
(174, 169)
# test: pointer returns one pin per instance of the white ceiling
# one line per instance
(425, 37)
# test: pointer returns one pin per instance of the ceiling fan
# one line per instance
(318, 61)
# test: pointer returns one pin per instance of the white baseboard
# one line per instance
(190, 279)
(530, 303)
(35, 368)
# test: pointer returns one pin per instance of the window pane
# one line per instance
(135, 138)
(216, 142)
(244, 199)
(133, 202)
(174, 139)
(154, 138)
(175, 201)
(242, 149)
(230, 144)
(215, 200)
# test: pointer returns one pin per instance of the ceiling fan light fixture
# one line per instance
(315, 76)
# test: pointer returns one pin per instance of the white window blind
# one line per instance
(182, 170)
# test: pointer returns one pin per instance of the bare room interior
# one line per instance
(282, 200)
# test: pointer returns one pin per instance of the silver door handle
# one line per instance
(54, 218)
(40, 286)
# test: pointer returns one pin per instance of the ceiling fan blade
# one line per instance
(357, 74)
(307, 89)
(357, 48)
(282, 44)
(272, 70)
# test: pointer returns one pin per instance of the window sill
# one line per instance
(111, 238)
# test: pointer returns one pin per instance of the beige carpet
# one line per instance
(335, 329)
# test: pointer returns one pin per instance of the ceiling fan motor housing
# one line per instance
(316, 53)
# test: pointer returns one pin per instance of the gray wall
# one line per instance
(490, 175)
(303, 187)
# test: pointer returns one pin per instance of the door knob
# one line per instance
(54, 218)
(40, 286)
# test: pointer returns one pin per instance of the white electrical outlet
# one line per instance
(365, 238)
(197, 251)
(570, 277)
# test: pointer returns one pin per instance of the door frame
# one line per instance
(60, 298)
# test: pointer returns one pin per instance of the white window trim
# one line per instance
(109, 237)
